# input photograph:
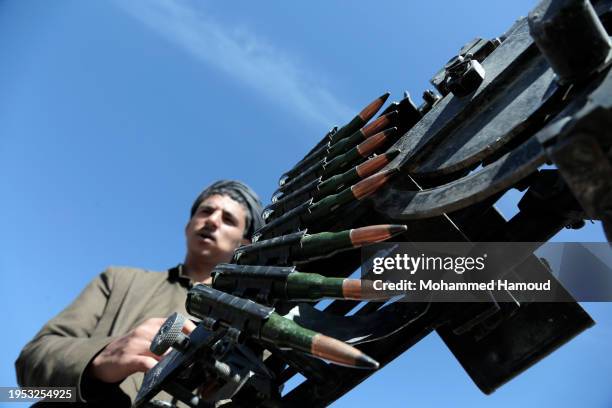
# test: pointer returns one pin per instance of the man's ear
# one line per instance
(187, 226)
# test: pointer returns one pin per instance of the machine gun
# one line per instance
(501, 110)
(222, 352)
(222, 360)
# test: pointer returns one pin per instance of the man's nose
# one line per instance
(214, 219)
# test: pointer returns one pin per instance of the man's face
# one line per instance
(216, 229)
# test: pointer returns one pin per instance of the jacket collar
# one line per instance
(176, 274)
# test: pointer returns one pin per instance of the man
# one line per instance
(100, 342)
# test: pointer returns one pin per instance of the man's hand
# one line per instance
(130, 353)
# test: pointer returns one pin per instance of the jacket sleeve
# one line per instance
(59, 354)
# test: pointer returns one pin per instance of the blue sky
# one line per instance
(114, 115)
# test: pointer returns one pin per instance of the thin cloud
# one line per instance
(240, 54)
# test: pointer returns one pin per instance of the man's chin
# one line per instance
(213, 257)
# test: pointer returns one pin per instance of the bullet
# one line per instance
(408, 112)
(370, 145)
(267, 214)
(341, 353)
(291, 200)
(371, 184)
(246, 318)
(316, 189)
(356, 192)
(276, 196)
(329, 168)
(283, 179)
(361, 289)
(363, 170)
(283, 332)
(264, 284)
(362, 150)
(329, 151)
(342, 140)
(307, 213)
(303, 286)
(376, 163)
(290, 221)
(369, 111)
(303, 177)
(375, 233)
(391, 107)
(346, 144)
(379, 124)
(282, 250)
(268, 284)
(302, 247)
(314, 157)
(323, 140)
(357, 122)
(361, 119)
(325, 244)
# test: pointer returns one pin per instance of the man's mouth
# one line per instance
(206, 235)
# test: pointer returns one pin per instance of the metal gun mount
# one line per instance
(210, 355)
(539, 94)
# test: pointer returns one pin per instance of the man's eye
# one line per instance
(230, 221)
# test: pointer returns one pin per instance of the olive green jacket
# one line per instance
(110, 306)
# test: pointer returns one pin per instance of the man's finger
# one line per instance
(154, 322)
(149, 353)
(142, 363)
(142, 347)
(188, 327)
(147, 332)
(149, 328)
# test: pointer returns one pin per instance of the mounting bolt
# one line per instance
(463, 75)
